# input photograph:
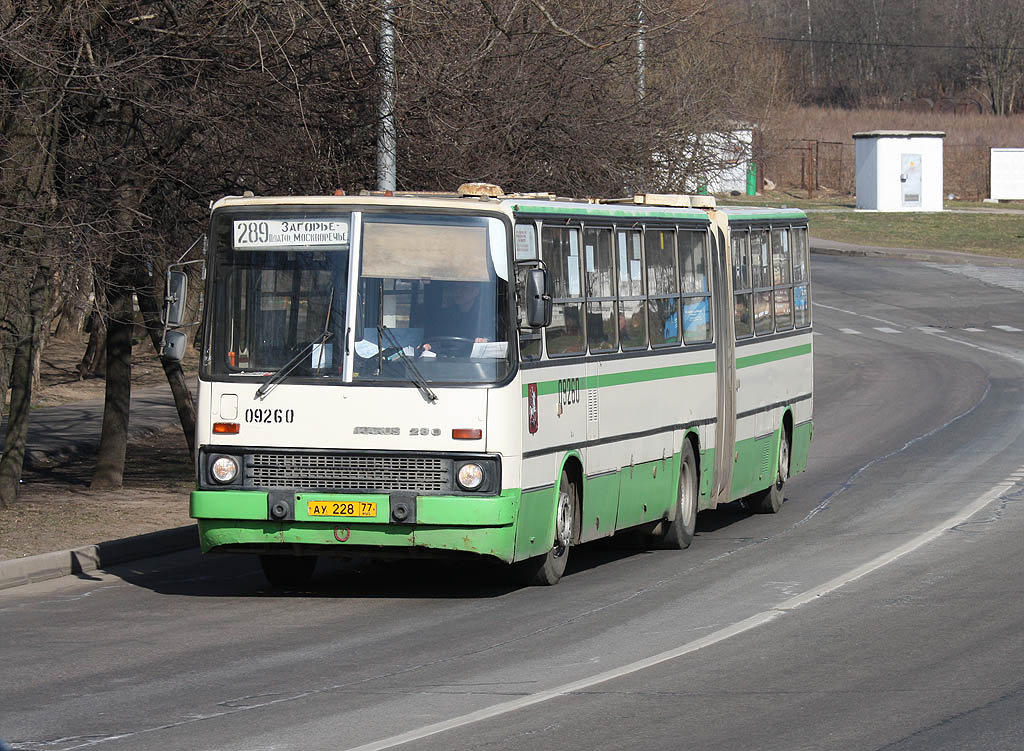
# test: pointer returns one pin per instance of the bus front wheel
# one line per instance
(547, 569)
(288, 571)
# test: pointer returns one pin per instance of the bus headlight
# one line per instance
(470, 476)
(224, 469)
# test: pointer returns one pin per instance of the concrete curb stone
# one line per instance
(36, 568)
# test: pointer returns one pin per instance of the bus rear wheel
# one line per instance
(547, 569)
(769, 501)
(679, 532)
(288, 571)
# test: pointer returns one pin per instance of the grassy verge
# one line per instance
(965, 227)
(987, 234)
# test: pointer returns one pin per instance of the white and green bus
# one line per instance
(493, 375)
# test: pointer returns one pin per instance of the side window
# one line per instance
(801, 278)
(526, 248)
(693, 271)
(602, 318)
(782, 278)
(761, 277)
(561, 250)
(632, 318)
(741, 285)
(662, 287)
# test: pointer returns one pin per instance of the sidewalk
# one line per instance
(59, 434)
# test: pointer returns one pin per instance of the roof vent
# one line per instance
(481, 190)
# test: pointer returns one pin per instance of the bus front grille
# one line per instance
(348, 472)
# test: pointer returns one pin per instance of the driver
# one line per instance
(459, 315)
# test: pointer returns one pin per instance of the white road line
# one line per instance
(929, 329)
(1003, 327)
(976, 331)
(759, 619)
(848, 331)
(887, 330)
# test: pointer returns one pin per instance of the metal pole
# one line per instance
(641, 52)
(386, 134)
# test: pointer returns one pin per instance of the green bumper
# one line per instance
(475, 524)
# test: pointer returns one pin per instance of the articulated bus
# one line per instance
(505, 376)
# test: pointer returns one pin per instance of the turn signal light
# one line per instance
(467, 434)
(225, 428)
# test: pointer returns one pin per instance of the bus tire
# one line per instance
(679, 532)
(769, 500)
(547, 569)
(288, 571)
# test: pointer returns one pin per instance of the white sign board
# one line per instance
(262, 234)
(1007, 174)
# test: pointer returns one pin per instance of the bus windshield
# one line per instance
(436, 289)
(432, 298)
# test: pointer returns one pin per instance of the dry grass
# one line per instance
(829, 132)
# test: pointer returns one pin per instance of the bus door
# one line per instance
(725, 359)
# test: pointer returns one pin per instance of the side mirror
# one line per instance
(538, 300)
(174, 346)
(176, 297)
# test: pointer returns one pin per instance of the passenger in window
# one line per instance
(632, 332)
(744, 326)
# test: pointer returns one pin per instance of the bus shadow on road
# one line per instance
(190, 574)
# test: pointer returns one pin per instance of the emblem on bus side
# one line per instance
(361, 430)
(531, 406)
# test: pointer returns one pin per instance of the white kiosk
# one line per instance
(899, 170)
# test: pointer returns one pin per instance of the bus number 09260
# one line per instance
(270, 415)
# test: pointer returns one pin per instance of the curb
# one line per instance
(836, 248)
(37, 568)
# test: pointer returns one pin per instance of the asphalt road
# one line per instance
(881, 608)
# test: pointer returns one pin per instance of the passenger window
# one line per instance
(561, 250)
(662, 287)
(742, 302)
(602, 321)
(526, 249)
(761, 278)
(781, 272)
(632, 320)
(801, 295)
(696, 295)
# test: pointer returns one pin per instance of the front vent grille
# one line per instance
(348, 472)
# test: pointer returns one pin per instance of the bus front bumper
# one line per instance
(240, 521)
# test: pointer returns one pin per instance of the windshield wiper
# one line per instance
(279, 375)
(417, 378)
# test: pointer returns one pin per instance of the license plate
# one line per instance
(360, 509)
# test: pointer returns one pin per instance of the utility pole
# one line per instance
(810, 40)
(641, 53)
(386, 133)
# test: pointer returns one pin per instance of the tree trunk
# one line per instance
(109, 472)
(76, 302)
(175, 375)
(94, 360)
(13, 460)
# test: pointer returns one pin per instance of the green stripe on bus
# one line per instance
(773, 356)
(670, 371)
(634, 211)
(621, 379)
